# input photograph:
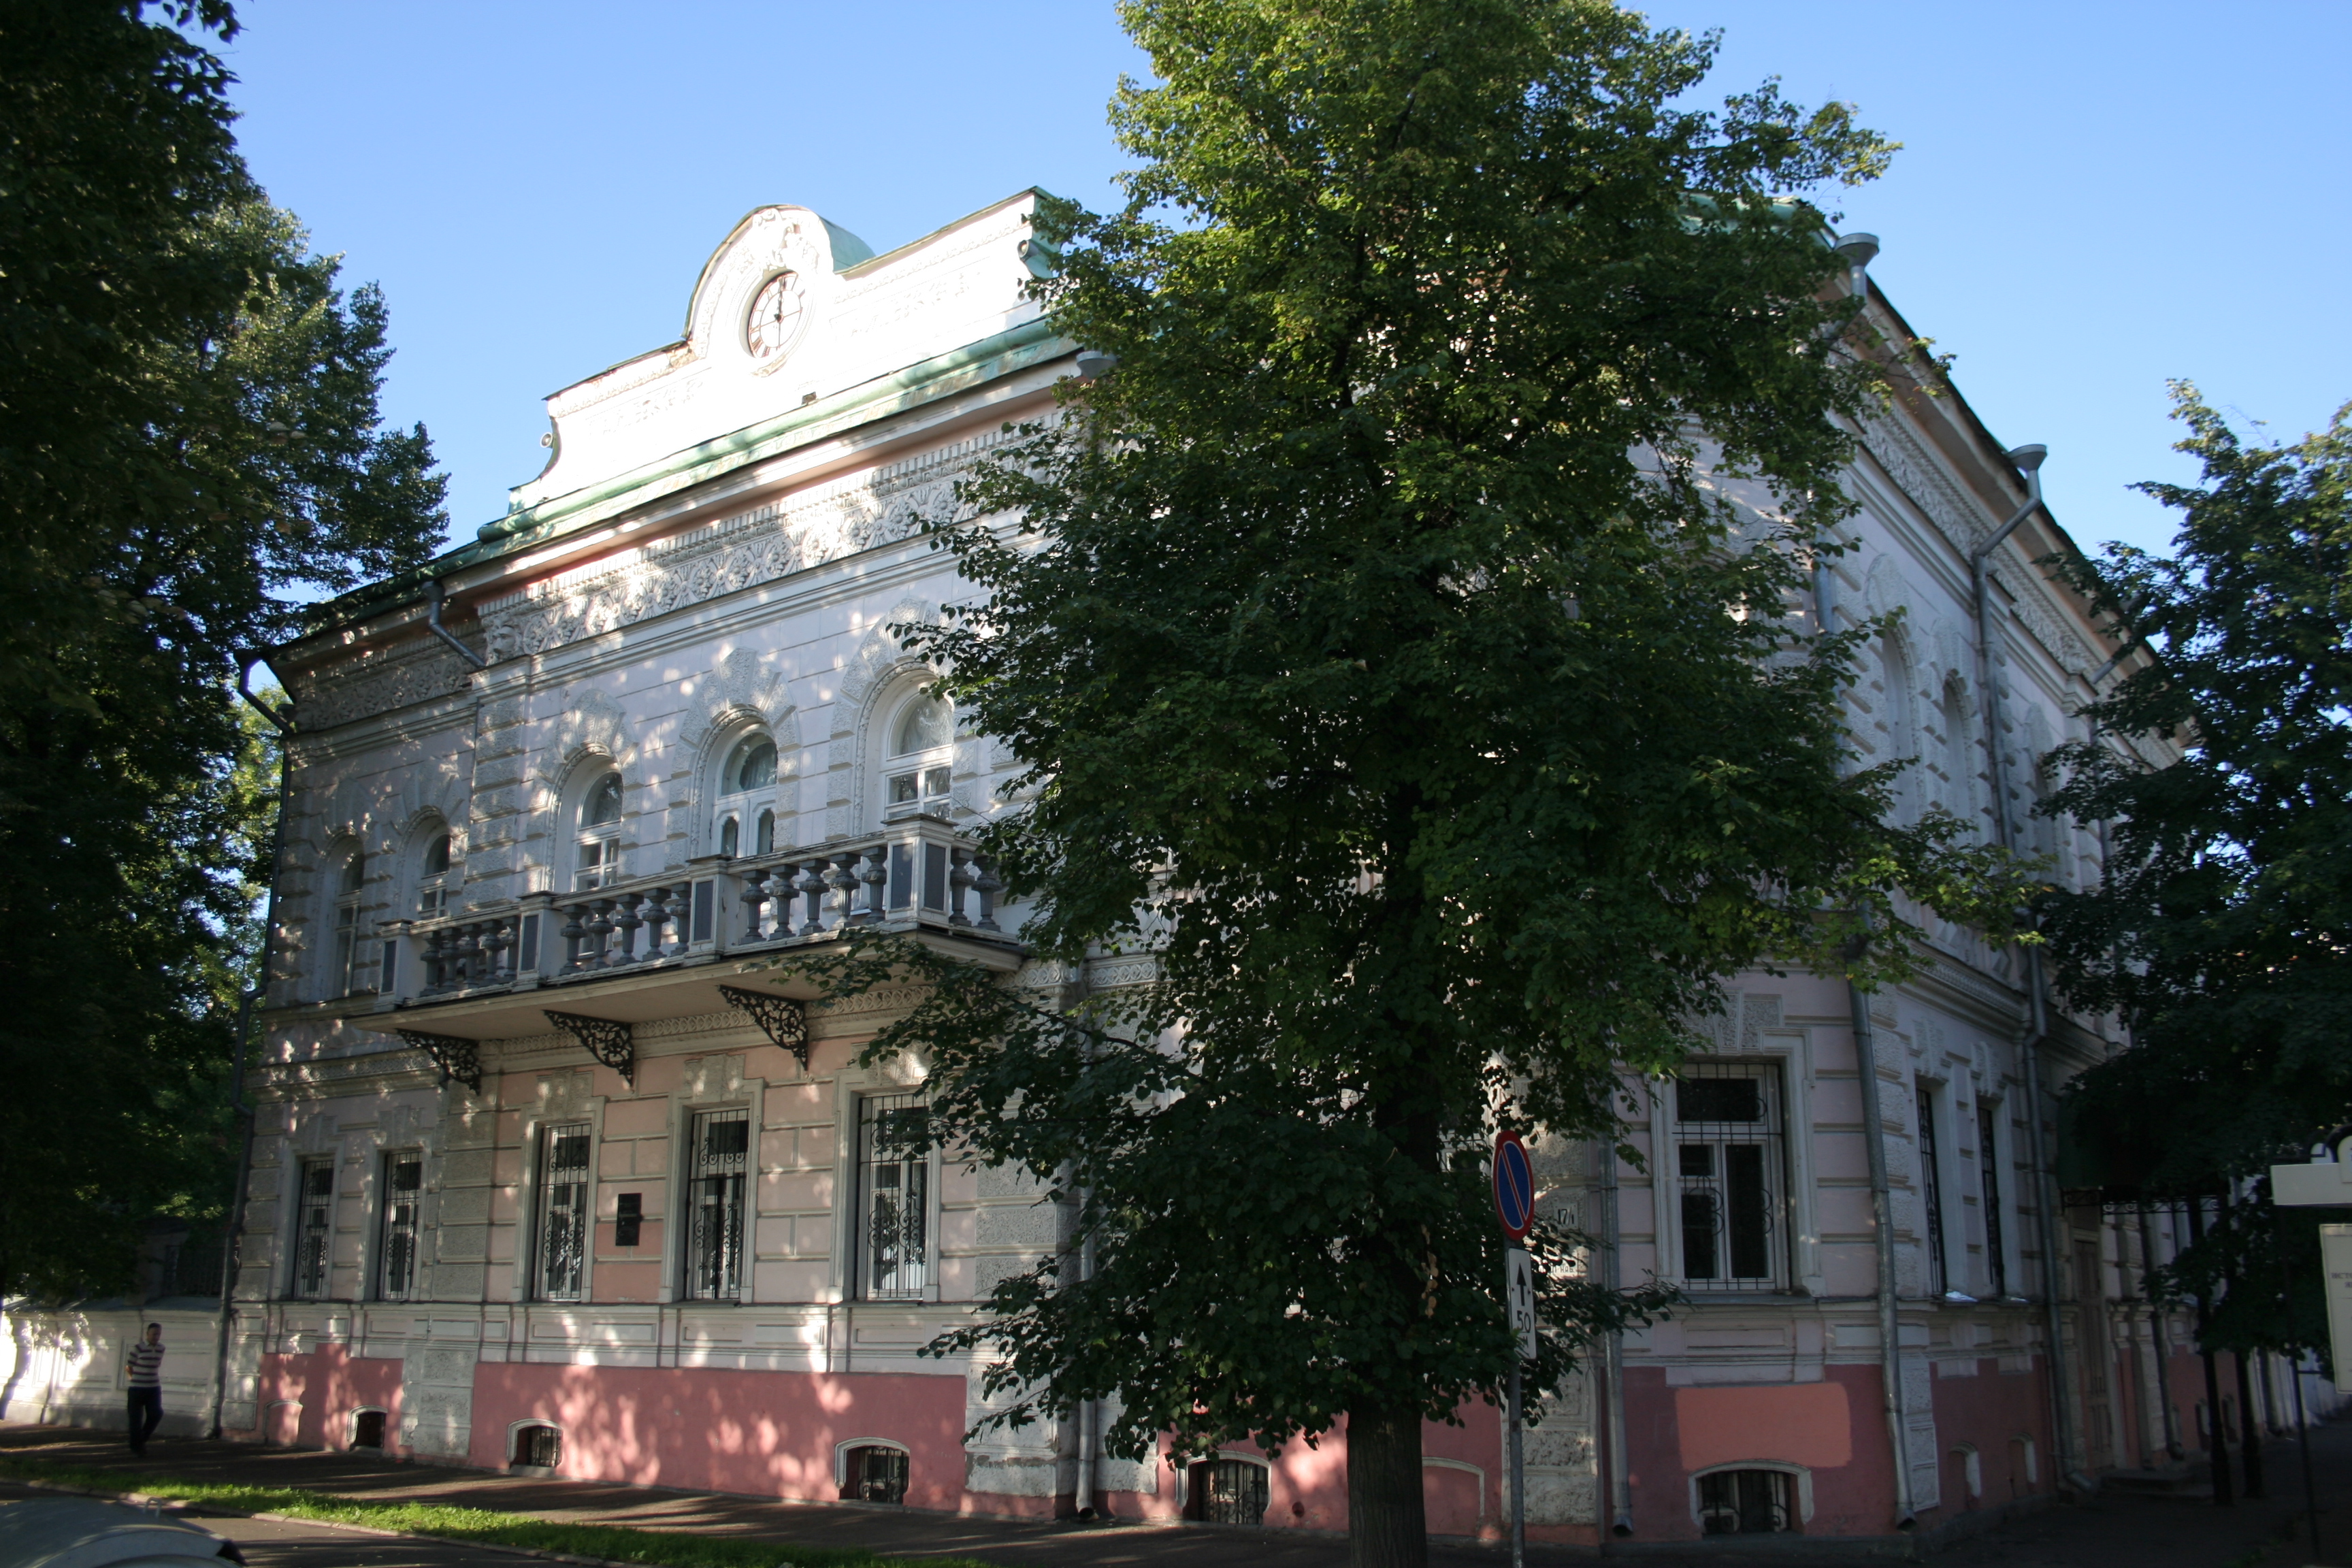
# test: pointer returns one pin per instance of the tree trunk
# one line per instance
(1386, 1528)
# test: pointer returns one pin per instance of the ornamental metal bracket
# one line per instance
(460, 1059)
(781, 1018)
(610, 1042)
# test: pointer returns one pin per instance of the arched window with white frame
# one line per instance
(596, 833)
(918, 766)
(436, 878)
(1898, 725)
(351, 875)
(745, 816)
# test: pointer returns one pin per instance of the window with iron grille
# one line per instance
(1746, 1502)
(1731, 1171)
(894, 1197)
(562, 1211)
(1227, 1491)
(1988, 1164)
(540, 1448)
(720, 1152)
(1931, 1192)
(404, 1191)
(314, 1227)
(873, 1472)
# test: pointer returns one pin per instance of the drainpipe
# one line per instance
(1086, 1413)
(433, 623)
(1620, 1479)
(1859, 249)
(2029, 460)
(234, 1234)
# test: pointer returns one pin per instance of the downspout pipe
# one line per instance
(233, 1235)
(433, 601)
(2029, 460)
(1859, 249)
(1620, 1479)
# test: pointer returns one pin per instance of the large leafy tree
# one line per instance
(2222, 930)
(1389, 663)
(189, 446)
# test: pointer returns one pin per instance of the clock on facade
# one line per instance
(775, 316)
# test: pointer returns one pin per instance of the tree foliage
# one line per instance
(2222, 930)
(189, 446)
(1392, 656)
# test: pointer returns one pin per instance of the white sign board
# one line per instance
(1520, 1296)
(2323, 1183)
(2335, 1261)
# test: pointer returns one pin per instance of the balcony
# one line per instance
(655, 947)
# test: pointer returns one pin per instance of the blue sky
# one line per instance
(2092, 199)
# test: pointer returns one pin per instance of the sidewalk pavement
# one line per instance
(2108, 1531)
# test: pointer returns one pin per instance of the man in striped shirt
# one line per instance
(143, 1374)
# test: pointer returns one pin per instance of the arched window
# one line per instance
(1960, 764)
(747, 784)
(1746, 1502)
(1896, 723)
(348, 878)
(433, 879)
(921, 762)
(598, 837)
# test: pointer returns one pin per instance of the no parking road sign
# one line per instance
(1515, 1185)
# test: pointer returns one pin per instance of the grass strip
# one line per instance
(668, 1549)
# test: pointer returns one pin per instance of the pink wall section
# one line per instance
(1991, 1413)
(766, 1434)
(774, 1434)
(1795, 1424)
(327, 1385)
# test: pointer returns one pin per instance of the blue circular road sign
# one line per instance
(1515, 1185)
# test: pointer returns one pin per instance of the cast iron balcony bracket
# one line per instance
(610, 1042)
(781, 1018)
(460, 1059)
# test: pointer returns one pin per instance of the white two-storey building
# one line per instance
(546, 1174)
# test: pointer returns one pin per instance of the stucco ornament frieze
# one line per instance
(336, 693)
(809, 529)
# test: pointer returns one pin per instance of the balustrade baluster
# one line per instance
(467, 949)
(500, 942)
(431, 958)
(574, 934)
(873, 870)
(810, 886)
(599, 945)
(987, 886)
(656, 913)
(841, 900)
(755, 904)
(625, 922)
(960, 876)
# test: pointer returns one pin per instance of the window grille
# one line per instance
(1745, 1502)
(873, 1473)
(1228, 1491)
(404, 1191)
(1730, 1163)
(539, 1447)
(562, 1211)
(1988, 1163)
(1931, 1192)
(721, 1152)
(893, 1191)
(599, 838)
(347, 923)
(314, 1228)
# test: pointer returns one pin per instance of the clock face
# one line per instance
(775, 316)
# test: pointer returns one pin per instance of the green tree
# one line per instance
(1387, 660)
(2222, 930)
(189, 448)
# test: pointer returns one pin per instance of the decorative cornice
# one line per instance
(424, 670)
(827, 522)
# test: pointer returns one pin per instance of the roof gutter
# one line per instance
(2037, 1031)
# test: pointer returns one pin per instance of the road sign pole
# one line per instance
(1514, 1206)
(1519, 1477)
